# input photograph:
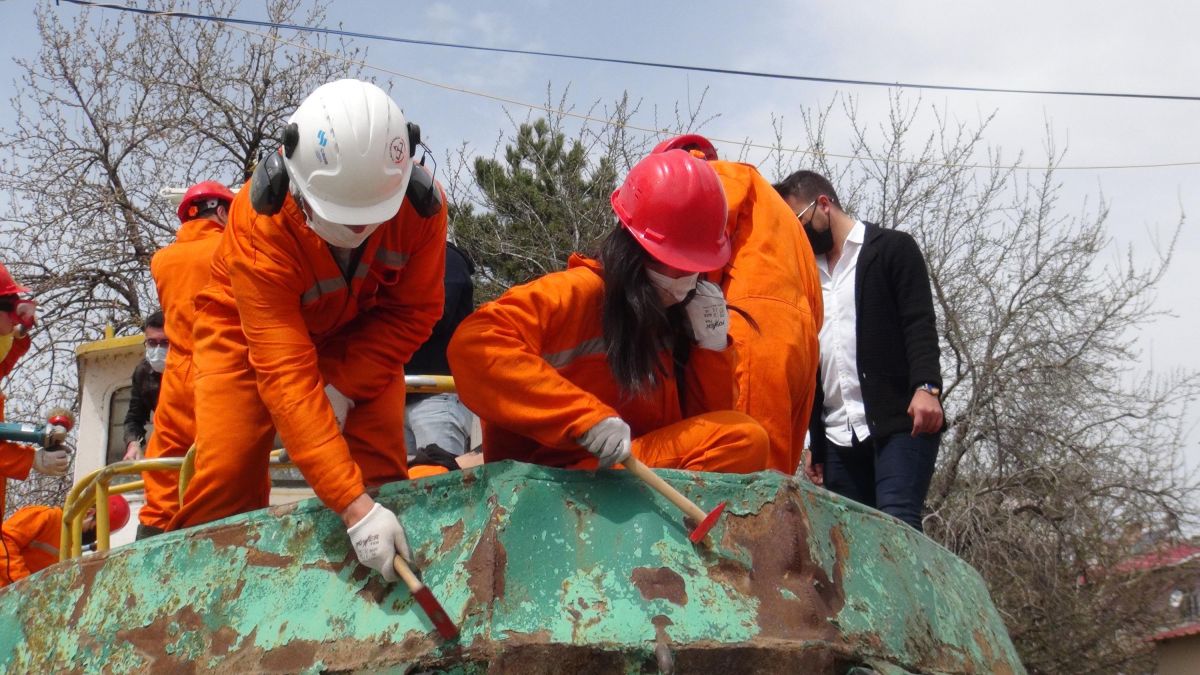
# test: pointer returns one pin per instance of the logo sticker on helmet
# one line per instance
(322, 139)
(398, 150)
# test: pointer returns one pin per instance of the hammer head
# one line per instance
(705, 525)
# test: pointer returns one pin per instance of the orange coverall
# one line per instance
(30, 542)
(16, 459)
(532, 366)
(180, 272)
(772, 275)
(279, 321)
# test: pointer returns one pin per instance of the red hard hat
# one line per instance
(688, 142)
(674, 205)
(209, 189)
(7, 285)
(118, 512)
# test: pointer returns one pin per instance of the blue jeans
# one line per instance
(892, 476)
(438, 419)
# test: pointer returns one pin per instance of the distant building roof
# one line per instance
(1177, 632)
(1170, 556)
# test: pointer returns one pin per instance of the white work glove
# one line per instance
(609, 441)
(341, 405)
(709, 316)
(378, 538)
(51, 461)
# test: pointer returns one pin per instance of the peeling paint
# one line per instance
(544, 570)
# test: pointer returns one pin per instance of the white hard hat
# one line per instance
(352, 161)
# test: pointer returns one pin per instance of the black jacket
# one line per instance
(896, 332)
(143, 402)
(430, 358)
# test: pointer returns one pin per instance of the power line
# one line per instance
(588, 118)
(631, 62)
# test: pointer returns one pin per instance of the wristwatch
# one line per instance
(931, 389)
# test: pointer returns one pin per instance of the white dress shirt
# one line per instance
(844, 412)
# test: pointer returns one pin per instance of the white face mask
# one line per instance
(672, 290)
(334, 234)
(157, 358)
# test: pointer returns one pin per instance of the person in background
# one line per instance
(31, 537)
(180, 271)
(877, 418)
(771, 275)
(437, 427)
(628, 354)
(17, 318)
(147, 379)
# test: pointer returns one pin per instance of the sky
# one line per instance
(1098, 45)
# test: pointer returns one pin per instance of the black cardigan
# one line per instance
(896, 331)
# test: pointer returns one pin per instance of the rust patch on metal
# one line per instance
(298, 656)
(222, 639)
(88, 569)
(797, 599)
(487, 565)
(261, 558)
(450, 537)
(998, 666)
(536, 637)
(661, 621)
(760, 658)
(553, 659)
(660, 582)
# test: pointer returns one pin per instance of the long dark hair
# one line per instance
(636, 326)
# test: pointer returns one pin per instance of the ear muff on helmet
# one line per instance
(414, 138)
(269, 185)
(423, 192)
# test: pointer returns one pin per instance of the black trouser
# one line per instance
(892, 477)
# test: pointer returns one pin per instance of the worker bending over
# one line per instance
(325, 282)
(17, 316)
(180, 271)
(772, 275)
(626, 354)
(31, 537)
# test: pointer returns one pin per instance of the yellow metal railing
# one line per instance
(94, 489)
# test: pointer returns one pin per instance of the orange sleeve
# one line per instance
(709, 381)
(19, 531)
(267, 292)
(497, 363)
(16, 459)
(367, 354)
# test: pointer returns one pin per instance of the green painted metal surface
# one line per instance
(544, 570)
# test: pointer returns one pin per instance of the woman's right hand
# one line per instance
(609, 440)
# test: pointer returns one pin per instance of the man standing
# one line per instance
(147, 380)
(180, 272)
(326, 280)
(877, 418)
(772, 277)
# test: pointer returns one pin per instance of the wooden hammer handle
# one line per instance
(406, 573)
(653, 480)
